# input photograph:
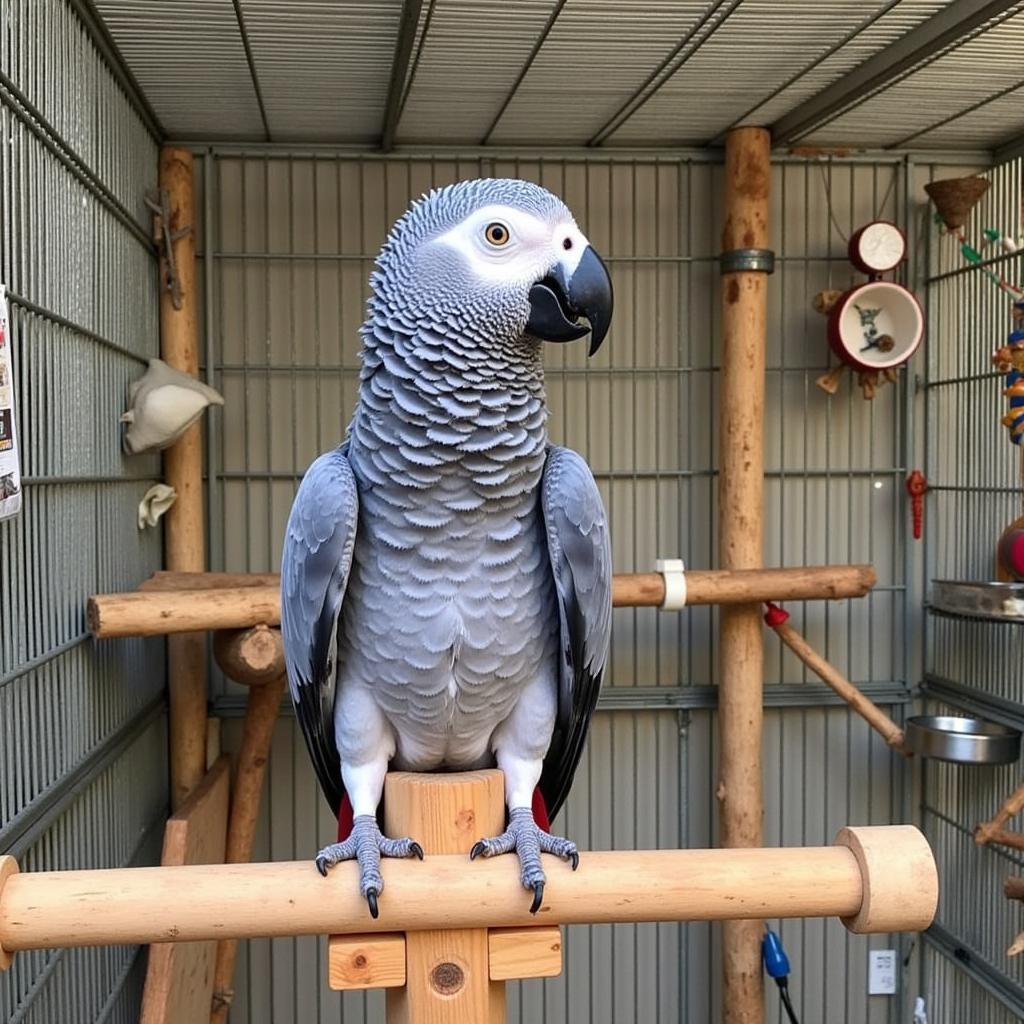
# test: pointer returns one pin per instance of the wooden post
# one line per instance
(247, 657)
(740, 526)
(183, 470)
(447, 975)
(179, 976)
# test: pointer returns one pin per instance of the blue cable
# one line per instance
(776, 963)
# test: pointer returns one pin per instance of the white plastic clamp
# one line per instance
(673, 572)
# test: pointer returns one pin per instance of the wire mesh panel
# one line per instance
(82, 744)
(288, 247)
(974, 473)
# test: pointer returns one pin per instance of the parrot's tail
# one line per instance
(540, 815)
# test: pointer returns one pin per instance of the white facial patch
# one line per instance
(529, 247)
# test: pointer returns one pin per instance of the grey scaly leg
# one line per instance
(529, 841)
(367, 844)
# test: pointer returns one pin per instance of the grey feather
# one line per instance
(580, 552)
(315, 564)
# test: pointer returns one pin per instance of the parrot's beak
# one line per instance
(559, 300)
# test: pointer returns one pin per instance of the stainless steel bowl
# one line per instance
(964, 740)
(981, 599)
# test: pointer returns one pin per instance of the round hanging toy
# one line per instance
(875, 326)
(877, 247)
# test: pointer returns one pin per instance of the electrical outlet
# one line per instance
(882, 972)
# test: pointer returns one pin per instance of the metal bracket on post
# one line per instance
(673, 572)
(757, 260)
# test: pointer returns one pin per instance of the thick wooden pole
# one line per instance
(184, 543)
(447, 976)
(740, 531)
(876, 878)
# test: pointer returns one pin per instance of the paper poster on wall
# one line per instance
(10, 468)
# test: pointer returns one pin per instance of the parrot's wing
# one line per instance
(581, 561)
(315, 565)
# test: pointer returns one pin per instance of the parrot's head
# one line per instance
(500, 259)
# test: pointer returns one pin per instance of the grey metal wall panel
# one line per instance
(975, 475)
(82, 740)
(954, 996)
(293, 237)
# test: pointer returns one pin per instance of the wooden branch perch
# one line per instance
(160, 609)
(987, 831)
(832, 677)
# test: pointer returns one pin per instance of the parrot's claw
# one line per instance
(529, 841)
(538, 897)
(367, 845)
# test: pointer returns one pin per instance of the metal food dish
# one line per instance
(964, 740)
(998, 602)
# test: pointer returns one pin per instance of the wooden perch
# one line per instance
(988, 831)
(253, 656)
(1013, 888)
(832, 677)
(877, 879)
(1004, 838)
(159, 609)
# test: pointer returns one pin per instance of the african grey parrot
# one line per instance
(446, 574)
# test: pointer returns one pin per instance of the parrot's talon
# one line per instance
(529, 841)
(538, 897)
(367, 845)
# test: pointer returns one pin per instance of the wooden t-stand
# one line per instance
(451, 931)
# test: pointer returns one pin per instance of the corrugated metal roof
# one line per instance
(323, 65)
(965, 81)
(573, 72)
(189, 60)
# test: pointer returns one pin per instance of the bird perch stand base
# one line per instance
(451, 932)
(378, 961)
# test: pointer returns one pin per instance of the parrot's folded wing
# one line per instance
(581, 560)
(315, 566)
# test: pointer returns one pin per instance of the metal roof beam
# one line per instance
(1011, 149)
(399, 69)
(946, 30)
(252, 69)
(714, 17)
(525, 69)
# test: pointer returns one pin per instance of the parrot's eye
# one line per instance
(496, 233)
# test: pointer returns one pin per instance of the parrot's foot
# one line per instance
(529, 841)
(367, 844)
